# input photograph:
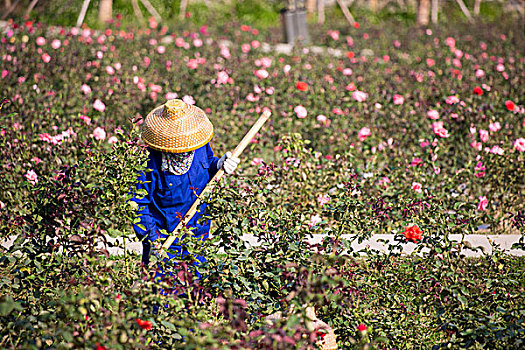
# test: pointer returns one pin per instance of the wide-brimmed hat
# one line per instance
(176, 127)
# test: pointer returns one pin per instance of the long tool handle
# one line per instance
(209, 187)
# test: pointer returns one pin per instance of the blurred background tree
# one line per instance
(260, 13)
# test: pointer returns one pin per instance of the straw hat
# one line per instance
(177, 127)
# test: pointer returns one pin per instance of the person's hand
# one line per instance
(228, 163)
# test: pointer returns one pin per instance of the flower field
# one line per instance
(418, 133)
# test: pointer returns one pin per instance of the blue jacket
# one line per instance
(170, 196)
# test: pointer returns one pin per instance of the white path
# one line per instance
(378, 242)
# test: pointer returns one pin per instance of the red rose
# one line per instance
(510, 105)
(302, 86)
(361, 328)
(357, 25)
(100, 347)
(412, 233)
(147, 325)
(478, 91)
(320, 334)
(350, 54)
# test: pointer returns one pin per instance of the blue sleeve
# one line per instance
(212, 160)
(146, 227)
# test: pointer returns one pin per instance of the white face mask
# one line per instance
(177, 163)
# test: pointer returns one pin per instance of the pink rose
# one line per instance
(519, 145)
(439, 130)
(86, 119)
(45, 137)
(46, 58)
(110, 70)
(4, 73)
(246, 48)
(494, 126)
(222, 77)
(484, 135)
(322, 199)
(261, 73)
(334, 34)
(480, 73)
(398, 99)
(476, 145)
(257, 161)
(179, 42)
(483, 203)
(32, 177)
(85, 89)
(155, 88)
(416, 186)
(99, 105)
(188, 100)
(197, 42)
(323, 120)
(99, 133)
(252, 98)
(451, 100)
(266, 62)
(314, 220)
(171, 95)
(347, 71)
(40, 41)
(433, 114)
(301, 112)
(55, 44)
(112, 140)
(225, 52)
(497, 150)
(161, 49)
(359, 96)
(416, 161)
(364, 133)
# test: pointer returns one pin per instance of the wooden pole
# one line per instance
(83, 12)
(151, 10)
(465, 10)
(183, 6)
(435, 7)
(310, 7)
(31, 7)
(346, 12)
(320, 12)
(211, 185)
(477, 5)
(10, 9)
(136, 10)
(373, 5)
(105, 11)
(423, 12)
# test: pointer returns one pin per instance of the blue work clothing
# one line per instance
(169, 197)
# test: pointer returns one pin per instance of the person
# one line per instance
(180, 163)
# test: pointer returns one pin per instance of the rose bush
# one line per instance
(390, 137)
